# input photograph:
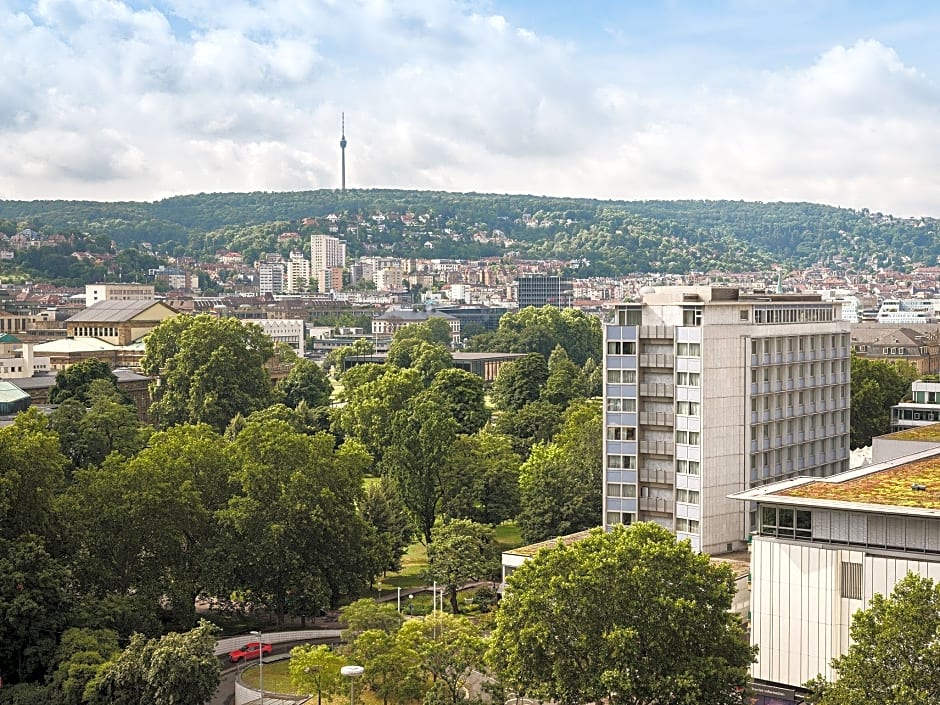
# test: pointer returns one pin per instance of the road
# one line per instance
(225, 695)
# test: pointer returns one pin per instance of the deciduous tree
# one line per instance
(894, 657)
(629, 617)
(463, 393)
(460, 551)
(306, 382)
(520, 382)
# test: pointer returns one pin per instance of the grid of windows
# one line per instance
(793, 313)
(786, 523)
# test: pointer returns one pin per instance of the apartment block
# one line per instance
(326, 252)
(710, 391)
(543, 290)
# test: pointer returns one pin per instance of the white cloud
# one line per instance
(104, 100)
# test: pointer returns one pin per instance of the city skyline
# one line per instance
(827, 102)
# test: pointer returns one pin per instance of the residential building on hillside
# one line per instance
(543, 290)
(297, 277)
(118, 291)
(822, 549)
(710, 391)
(326, 252)
(271, 277)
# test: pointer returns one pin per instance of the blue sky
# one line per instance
(833, 102)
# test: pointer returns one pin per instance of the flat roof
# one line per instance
(908, 485)
(929, 433)
(533, 548)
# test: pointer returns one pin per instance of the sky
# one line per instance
(828, 101)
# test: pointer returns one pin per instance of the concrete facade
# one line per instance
(709, 391)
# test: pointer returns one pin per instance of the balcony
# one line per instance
(657, 332)
(655, 504)
(656, 360)
(657, 389)
(657, 418)
(656, 447)
(659, 477)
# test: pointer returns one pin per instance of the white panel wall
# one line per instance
(799, 620)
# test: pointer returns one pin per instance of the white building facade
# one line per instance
(708, 392)
(297, 276)
(823, 548)
(326, 252)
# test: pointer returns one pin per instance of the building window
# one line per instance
(621, 433)
(691, 315)
(617, 404)
(687, 408)
(786, 523)
(688, 526)
(687, 379)
(621, 347)
(621, 376)
(616, 489)
(687, 467)
(625, 518)
(689, 349)
(688, 496)
(851, 583)
(687, 437)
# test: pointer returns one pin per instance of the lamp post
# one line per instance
(260, 667)
(352, 673)
(411, 604)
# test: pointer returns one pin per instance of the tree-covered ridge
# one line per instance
(607, 237)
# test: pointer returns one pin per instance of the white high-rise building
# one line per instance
(709, 391)
(326, 252)
(271, 277)
(298, 274)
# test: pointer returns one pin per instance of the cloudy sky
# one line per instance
(821, 100)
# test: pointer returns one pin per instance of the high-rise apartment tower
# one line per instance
(710, 391)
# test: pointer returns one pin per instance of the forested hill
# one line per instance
(611, 237)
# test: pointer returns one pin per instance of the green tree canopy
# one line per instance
(629, 617)
(306, 382)
(209, 369)
(877, 385)
(560, 482)
(520, 382)
(460, 551)
(482, 479)
(463, 393)
(74, 381)
(894, 656)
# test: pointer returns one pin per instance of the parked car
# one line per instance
(249, 651)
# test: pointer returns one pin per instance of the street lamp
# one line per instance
(260, 666)
(411, 604)
(352, 673)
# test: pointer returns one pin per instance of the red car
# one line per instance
(249, 651)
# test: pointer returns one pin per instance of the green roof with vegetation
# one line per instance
(918, 433)
(915, 484)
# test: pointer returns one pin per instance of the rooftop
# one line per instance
(115, 311)
(929, 433)
(532, 549)
(896, 486)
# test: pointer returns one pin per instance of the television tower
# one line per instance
(342, 147)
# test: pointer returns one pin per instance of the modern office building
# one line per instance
(922, 410)
(118, 291)
(543, 290)
(823, 548)
(710, 391)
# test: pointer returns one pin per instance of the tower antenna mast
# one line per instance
(342, 147)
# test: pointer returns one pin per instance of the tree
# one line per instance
(482, 479)
(894, 656)
(177, 669)
(365, 614)
(629, 617)
(536, 422)
(877, 385)
(449, 649)
(74, 381)
(34, 607)
(520, 382)
(292, 522)
(463, 393)
(336, 358)
(388, 666)
(209, 369)
(80, 655)
(461, 550)
(316, 668)
(560, 483)
(426, 357)
(384, 510)
(564, 381)
(305, 382)
(422, 436)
